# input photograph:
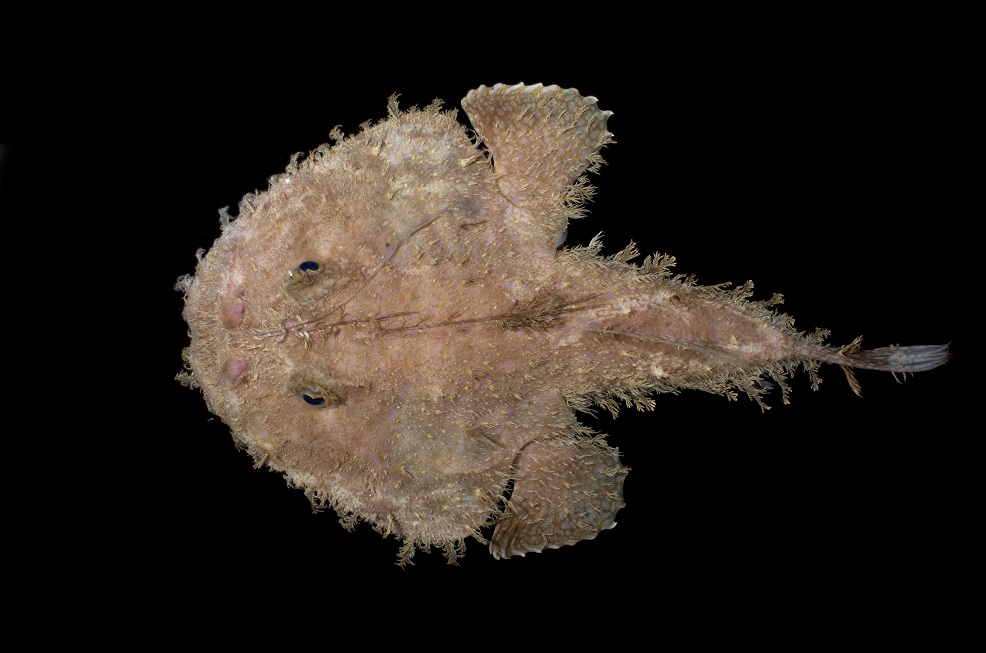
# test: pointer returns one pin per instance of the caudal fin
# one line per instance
(920, 358)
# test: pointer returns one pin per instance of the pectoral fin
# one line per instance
(565, 491)
(541, 137)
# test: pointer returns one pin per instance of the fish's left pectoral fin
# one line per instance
(565, 491)
(541, 137)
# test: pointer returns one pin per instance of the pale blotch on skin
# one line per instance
(394, 325)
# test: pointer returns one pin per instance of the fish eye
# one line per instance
(308, 266)
(313, 398)
(317, 388)
(305, 272)
(310, 280)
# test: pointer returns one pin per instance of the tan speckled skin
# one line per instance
(446, 339)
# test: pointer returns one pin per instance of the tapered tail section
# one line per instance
(919, 358)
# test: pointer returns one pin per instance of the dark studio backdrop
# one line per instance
(817, 167)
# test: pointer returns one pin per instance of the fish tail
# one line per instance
(920, 358)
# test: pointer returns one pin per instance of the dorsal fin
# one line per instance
(541, 137)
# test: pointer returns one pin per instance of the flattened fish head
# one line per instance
(347, 325)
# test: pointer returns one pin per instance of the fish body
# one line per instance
(396, 325)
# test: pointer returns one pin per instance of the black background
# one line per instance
(822, 163)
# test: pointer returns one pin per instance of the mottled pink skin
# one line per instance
(233, 315)
(233, 368)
